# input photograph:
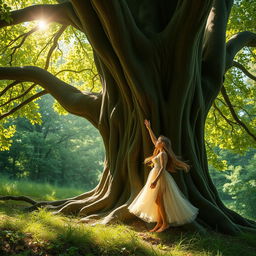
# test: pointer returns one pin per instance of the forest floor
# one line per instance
(41, 233)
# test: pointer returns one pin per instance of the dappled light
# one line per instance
(93, 91)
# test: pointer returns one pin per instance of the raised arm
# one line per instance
(152, 135)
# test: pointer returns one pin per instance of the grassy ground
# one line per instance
(42, 233)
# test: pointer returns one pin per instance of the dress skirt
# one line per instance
(178, 209)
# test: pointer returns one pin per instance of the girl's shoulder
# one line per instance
(163, 154)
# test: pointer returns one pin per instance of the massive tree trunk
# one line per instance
(159, 60)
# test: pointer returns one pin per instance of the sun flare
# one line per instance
(42, 25)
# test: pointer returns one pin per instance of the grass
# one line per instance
(39, 191)
(42, 233)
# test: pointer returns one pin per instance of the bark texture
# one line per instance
(160, 60)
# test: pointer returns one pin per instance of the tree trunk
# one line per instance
(156, 60)
(163, 83)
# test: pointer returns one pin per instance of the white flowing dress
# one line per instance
(178, 209)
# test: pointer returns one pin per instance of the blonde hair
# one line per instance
(173, 162)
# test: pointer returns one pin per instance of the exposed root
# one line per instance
(247, 229)
(94, 207)
(238, 219)
(119, 214)
(19, 198)
(93, 217)
(46, 203)
(72, 207)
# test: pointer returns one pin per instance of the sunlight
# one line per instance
(42, 24)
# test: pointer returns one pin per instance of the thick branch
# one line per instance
(100, 43)
(236, 43)
(61, 13)
(214, 48)
(234, 115)
(244, 70)
(95, 33)
(73, 100)
(132, 47)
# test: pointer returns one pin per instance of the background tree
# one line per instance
(62, 150)
(236, 185)
(162, 60)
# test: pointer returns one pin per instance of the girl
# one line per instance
(161, 200)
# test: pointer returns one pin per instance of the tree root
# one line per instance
(106, 210)
(19, 198)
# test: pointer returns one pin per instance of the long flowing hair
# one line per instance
(173, 163)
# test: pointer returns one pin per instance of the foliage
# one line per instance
(222, 130)
(236, 185)
(241, 186)
(29, 44)
(41, 233)
(5, 11)
(60, 150)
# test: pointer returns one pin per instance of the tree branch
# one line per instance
(133, 48)
(244, 70)
(8, 87)
(230, 122)
(54, 46)
(103, 50)
(19, 96)
(236, 43)
(234, 115)
(16, 47)
(34, 97)
(74, 101)
(214, 48)
(62, 13)
(19, 198)
(95, 33)
(24, 36)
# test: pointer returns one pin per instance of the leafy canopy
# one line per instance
(63, 51)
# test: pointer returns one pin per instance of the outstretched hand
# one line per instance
(147, 123)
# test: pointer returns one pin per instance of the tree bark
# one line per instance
(155, 60)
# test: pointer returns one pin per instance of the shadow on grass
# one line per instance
(211, 242)
(42, 233)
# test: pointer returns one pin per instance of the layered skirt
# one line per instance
(178, 209)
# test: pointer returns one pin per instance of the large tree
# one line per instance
(160, 60)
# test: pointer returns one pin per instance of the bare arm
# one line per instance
(163, 162)
(152, 135)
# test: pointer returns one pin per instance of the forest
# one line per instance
(78, 79)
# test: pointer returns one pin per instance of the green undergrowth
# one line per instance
(36, 190)
(43, 233)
